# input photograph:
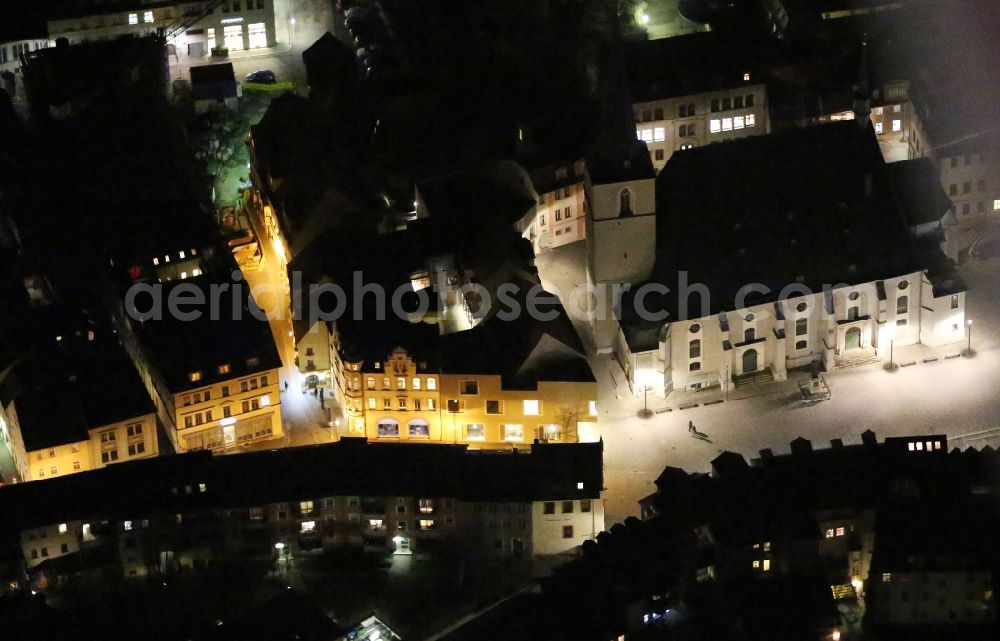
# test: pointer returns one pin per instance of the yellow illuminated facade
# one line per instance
(127, 440)
(397, 399)
(229, 412)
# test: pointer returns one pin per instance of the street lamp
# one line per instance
(968, 347)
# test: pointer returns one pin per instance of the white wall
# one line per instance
(547, 529)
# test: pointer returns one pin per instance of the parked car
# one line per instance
(262, 76)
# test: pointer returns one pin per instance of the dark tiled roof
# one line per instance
(916, 186)
(814, 206)
(233, 338)
(347, 468)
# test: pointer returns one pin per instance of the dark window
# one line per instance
(658, 113)
(694, 348)
(749, 335)
(954, 301)
(624, 202)
(902, 304)
(494, 407)
(567, 507)
(853, 313)
(549, 507)
(749, 101)
(715, 104)
(801, 344)
(659, 156)
(738, 102)
(802, 327)
(727, 104)
(694, 367)
(567, 531)
(470, 387)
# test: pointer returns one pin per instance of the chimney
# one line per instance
(869, 439)
(766, 454)
(837, 443)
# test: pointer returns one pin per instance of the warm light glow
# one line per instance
(644, 18)
(265, 401)
(229, 420)
(279, 546)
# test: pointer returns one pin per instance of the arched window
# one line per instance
(694, 349)
(902, 304)
(749, 334)
(625, 203)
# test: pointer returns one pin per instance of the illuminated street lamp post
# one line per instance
(968, 347)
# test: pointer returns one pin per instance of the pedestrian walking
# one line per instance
(286, 386)
(691, 426)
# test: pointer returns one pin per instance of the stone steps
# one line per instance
(762, 376)
(865, 358)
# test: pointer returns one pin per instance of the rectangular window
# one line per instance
(432, 404)
(659, 134)
(567, 531)
(416, 384)
(147, 16)
(738, 122)
(897, 125)
(475, 432)
(585, 505)
(902, 304)
(878, 127)
(402, 403)
(387, 403)
(233, 37)
(135, 449)
(549, 507)
(954, 301)
(751, 120)
(371, 402)
(401, 382)
(727, 124)
(133, 18)
(494, 407)
(567, 507)
(715, 125)
(531, 408)
(513, 432)
(257, 34)
(802, 327)
(801, 344)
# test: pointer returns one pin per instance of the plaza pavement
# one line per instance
(956, 396)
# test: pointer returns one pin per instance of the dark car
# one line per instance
(262, 76)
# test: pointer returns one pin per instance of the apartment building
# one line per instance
(194, 30)
(186, 511)
(841, 294)
(102, 416)
(502, 384)
(560, 217)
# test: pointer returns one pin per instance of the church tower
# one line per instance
(621, 219)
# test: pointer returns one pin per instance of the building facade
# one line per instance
(841, 328)
(677, 123)
(559, 219)
(400, 398)
(193, 29)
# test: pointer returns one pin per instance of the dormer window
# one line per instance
(194, 376)
(224, 368)
(156, 261)
(253, 361)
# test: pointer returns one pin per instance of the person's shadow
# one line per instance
(700, 435)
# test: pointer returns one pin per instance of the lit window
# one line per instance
(878, 127)
(371, 402)
(766, 566)
(232, 35)
(727, 124)
(127, 525)
(416, 383)
(659, 134)
(840, 531)
(431, 384)
(224, 368)
(746, 77)
(156, 261)
(265, 400)
(829, 533)
(738, 122)
(877, 111)
(531, 408)
(147, 16)
(257, 34)
(751, 120)
(897, 125)
(308, 526)
(475, 432)
(513, 432)
(592, 408)
(62, 528)
(996, 205)
(714, 126)
(646, 135)
(133, 18)
(194, 376)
